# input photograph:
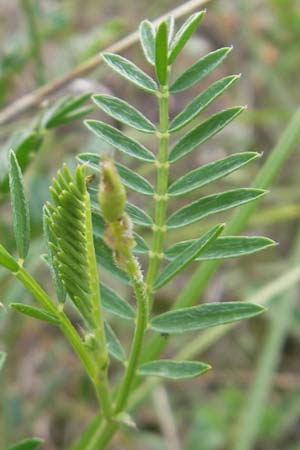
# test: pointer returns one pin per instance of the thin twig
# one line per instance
(36, 97)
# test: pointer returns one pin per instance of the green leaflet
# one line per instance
(65, 110)
(174, 370)
(199, 70)
(59, 287)
(201, 133)
(147, 38)
(20, 208)
(201, 102)
(225, 247)
(204, 316)
(25, 144)
(114, 304)
(7, 261)
(212, 204)
(138, 216)
(210, 172)
(120, 141)
(105, 258)
(35, 312)
(161, 53)
(130, 71)
(183, 35)
(170, 21)
(27, 444)
(2, 359)
(123, 112)
(114, 346)
(187, 256)
(131, 179)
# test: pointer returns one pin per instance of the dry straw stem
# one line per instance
(36, 97)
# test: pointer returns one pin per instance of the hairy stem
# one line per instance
(161, 195)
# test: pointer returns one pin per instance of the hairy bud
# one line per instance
(112, 194)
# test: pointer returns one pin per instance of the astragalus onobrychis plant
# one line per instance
(91, 227)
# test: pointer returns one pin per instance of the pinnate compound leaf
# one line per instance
(131, 179)
(120, 141)
(20, 208)
(187, 256)
(201, 102)
(37, 313)
(199, 70)
(183, 35)
(203, 132)
(210, 172)
(213, 204)
(114, 304)
(225, 247)
(130, 71)
(27, 444)
(161, 53)
(2, 359)
(174, 370)
(123, 112)
(147, 38)
(114, 346)
(204, 316)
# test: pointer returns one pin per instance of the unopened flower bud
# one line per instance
(112, 194)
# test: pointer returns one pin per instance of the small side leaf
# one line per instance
(203, 132)
(201, 102)
(114, 304)
(147, 38)
(213, 204)
(123, 112)
(35, 312)
(204, 316)
(174, 370)
(114, 346)
(105, 258)
(130, 71)
(138, 216)
(161, 53)
(20, 208)
(225, 247)
(114, 137)
(183, 35)
(27, 444)
(7, 261)
(199, 70)
(211, 172)
(188, 255)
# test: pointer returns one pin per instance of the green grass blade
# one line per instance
(27, 444)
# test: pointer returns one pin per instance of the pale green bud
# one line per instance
(112, 194)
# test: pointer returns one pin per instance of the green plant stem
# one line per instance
(132, 268)
(35, 39)
(268, 362)
(161, 196)
(194, 289)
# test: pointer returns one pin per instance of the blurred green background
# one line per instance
(42, 389)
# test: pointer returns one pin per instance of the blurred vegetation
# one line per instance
(42, 389)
